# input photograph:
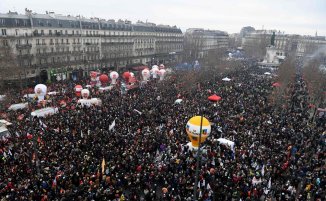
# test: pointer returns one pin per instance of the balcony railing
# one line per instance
(23, 46)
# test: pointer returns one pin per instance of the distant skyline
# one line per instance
(303, 17)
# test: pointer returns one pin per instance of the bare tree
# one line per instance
(286, 76)
(193, 45)
(255, 45)
(316, 81)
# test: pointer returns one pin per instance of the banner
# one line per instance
(18, 106)
(45, 112)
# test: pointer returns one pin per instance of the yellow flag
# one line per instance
(103, 165)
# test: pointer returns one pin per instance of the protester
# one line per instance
(132, 147)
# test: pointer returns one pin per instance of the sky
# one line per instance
(303, 17)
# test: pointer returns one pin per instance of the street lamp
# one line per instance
(198, 164)
(215, 99)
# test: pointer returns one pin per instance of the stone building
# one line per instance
(53, 46)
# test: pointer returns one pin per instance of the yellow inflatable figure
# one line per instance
(193, 130)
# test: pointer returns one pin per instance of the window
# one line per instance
(4, 32)
(77, 32)
(5, 43)
(43, 41)
(42, 32)
(61, 41)
(73, 32)
(67, 41)
(50, 32)
(51, 41)
(66, 32)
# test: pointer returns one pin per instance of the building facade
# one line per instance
(284, 44)
(199, 42)
(51, 45)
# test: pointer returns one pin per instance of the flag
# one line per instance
(42, 124)
(112, 125)
(29, 136)
(269, 185)
(20, 117)
(103, 166)
(138, 111)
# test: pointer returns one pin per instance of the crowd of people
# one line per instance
(133, 146)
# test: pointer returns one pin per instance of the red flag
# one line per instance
(29, 136)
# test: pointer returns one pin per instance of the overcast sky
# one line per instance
(292, 16)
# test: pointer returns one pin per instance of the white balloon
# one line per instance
(40, 90)
(161, 73)
(145, 73)
(154, 66)
(85, 93)
(114, 76)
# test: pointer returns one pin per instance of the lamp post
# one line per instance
(198, 164)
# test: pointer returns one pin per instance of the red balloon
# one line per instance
(104, 78)
(126, 75)
(78, 88)
(214, 98)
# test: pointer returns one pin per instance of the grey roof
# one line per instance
(15, 16)
(60, 21)
(14, 20)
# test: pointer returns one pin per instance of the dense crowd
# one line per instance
(279, 152)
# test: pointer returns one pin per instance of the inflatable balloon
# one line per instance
(40, 91)
(78, 89)
(114, 76)
(193, 130)
(126, 76)
(161, 73)
(85, 93)
(145, 74)
(155, 71)
(104, 79)
(162, 66)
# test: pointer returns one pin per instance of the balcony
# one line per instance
(92, 44)
(25, 56)
(118, 43)
(23, 46)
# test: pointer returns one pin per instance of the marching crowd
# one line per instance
(132, 147)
